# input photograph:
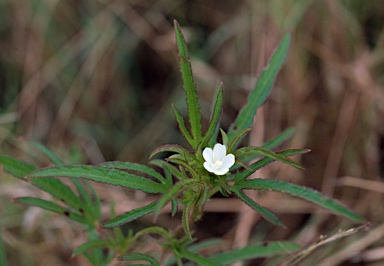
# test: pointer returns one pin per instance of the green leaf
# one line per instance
(189, 86)
(3, 254)
(51, 155)
(50, 206)
(91, 245)
(224, 137)
(185, 219)
(301, 192)
(261, 90)
(91, 207)
(170, 148)
(99, 174)
(163, 164)
(255, 251)
(213, 139)
(15, 167)
(96, 200)
(153, 230)
(199, 259)
(171, 193)
(276, 141)
(184, 131)
(267, 214)
(60, 191)
(264, 162)
(140, 256)
(245, 151)
(53, 186)
(168, 176)
(185, 164)
(134, 167)
(197, 247)
(130, 216)
(235, 141)
(215, 116)
(174, 206)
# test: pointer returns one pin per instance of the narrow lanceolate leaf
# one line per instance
(15, 167)
(174, 206)
(171, 193)
(96, 199)
(183, 163)
(195, 248)
(53, 186)
(89, 205)
(168, 176)
(189, 86)
(60, 191)
(130, 216)
(99, 174)
(199, 259)
(264, 162)
(261, 90)
(50, 206)
(185, 219)
(91, 245)
(246, 151)
(301, 192)
(92, 208)
(163, 164)
(215, 116)
(183, 129)
(51, 155)
(170, 148)
(134, 167)
(276, 141)
(235, 141)
(140, 256)
(267, 214)
(255, 251)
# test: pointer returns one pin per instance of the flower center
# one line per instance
(218, 163)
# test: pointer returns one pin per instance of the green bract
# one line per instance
(189, 178)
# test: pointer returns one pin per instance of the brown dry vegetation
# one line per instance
(95, 80)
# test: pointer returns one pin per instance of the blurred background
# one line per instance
(96, 80)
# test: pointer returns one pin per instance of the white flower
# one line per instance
(217, 161)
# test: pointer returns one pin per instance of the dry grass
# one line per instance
(94, 80)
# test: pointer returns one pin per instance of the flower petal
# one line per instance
(228, 161)
(219, 152)
(221, 171)
(208, 155)
(209, 167)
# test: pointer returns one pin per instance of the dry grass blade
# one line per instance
(306, 251)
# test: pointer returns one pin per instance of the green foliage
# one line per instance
(215, 119)
(139, 256)
(261, 90)
(130, 216)
(189, 87)
(15, 167)
(255, 251)
(267, 214)
(298, 191)
(51, 206)
(256, 151)
(104, 175)
(185, 180)
(3, 257)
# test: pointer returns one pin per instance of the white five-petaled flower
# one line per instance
(217, 161)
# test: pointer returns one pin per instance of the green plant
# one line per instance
(190, 177)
